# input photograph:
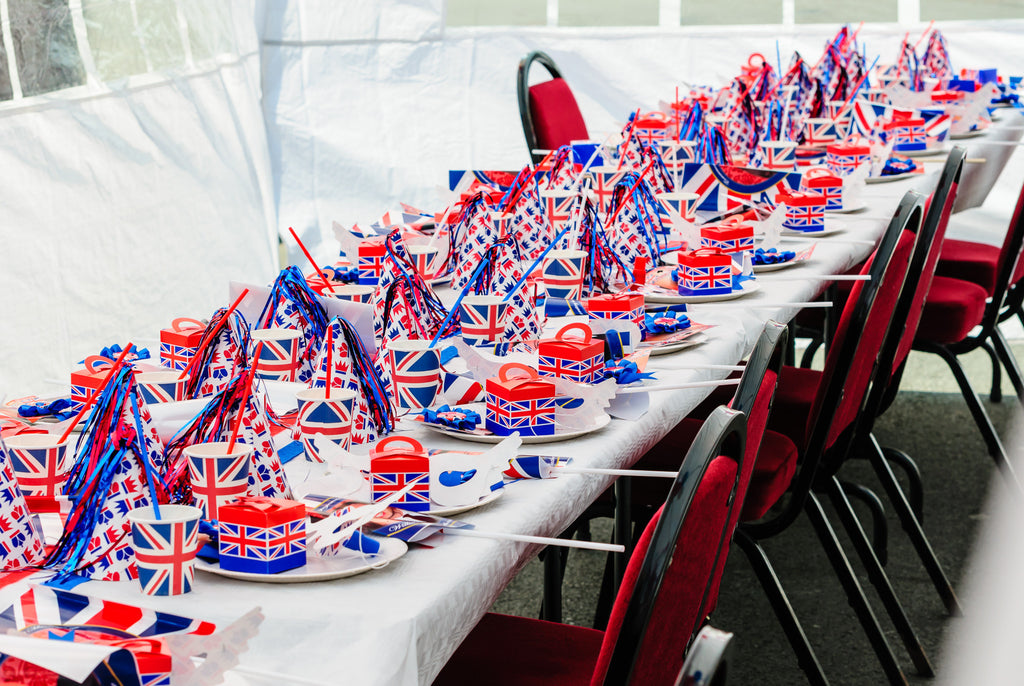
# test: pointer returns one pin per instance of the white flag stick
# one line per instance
(569, 469)
(759, 304)
(543, 540)
(679, 386)
(702, 367)
(824, 277)
(851, 241)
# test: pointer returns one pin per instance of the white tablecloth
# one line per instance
(400, 624)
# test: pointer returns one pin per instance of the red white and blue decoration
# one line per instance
(179, 342)
(397, 462)
(826, 183)
(165, 548)
(262, 535)
(563, 274)
(415, 373)
(706, 271)
(518, 400)
(805, 212)
(39, 462)
(482, 319)
(324, 419)
(218, 477)
(579, 358)
(19, 542)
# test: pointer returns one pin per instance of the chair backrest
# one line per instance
(550, 115)
(663, 597)
(1010, 269)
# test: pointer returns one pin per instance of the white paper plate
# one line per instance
(832, 227)
(694, 340)
(777, 266)
(847, 210)
(559, 435)
(449, 511)
(977, 133)
(746, 288)
(940, 149)
(317, 568)
(891, 177)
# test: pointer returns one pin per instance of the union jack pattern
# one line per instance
(603, 186)
(459, 390)
(218, 481)
(821, 132)
(175, 356)
(705, 280)
(19, 542)
(168, 392)
(483, 322)
(806, 218)
(563, 276)
(319, 419)
(164, 552)
(266, 475)
(588, 370)
(846, 163)
(865, 117)
(529, 417)
(384, 483)
(263, 549)
(909, 137)
(227, 355)
(521, 319)
(415, 376)
(40, 471)
(279, 359)
(371, 261)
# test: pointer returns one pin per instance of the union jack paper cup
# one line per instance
(423, 258)
(165, 547)
(482, 318)
(279, 358)
(40, 463)
(677, 153)
(563, 274)
(162, 387)
(820, 131)
(876, 95)
(323, 418)
(558, 206)
(583, 151)
(679, 204)
(603, 183)
(218, 477)
(841, 116)
(415, 372)
(778, 155)
(351, 292)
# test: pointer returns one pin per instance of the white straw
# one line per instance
(679, 386)
(830, 240)
(702, 367)
(568, 469)
(543, 540)
(758, 304)
(825, 277)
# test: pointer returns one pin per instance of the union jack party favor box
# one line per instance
(844, 158)
(805, 211)
(706, 271)
(733, 236)
(908, 132)
(578, 358)
(372, 254)
(627, 306)
(518, 400)
(262, 535)
(90, 377)
(396, 462)
(179, 342)
(824, 182)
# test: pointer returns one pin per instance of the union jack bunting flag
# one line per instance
(262, 549)
(721, 187)
(415, 376)
(384, 483)
(40, 471)
(175, 356)
(164, 552)
(534, 417)
(53, 611)
(587, 370)
(705, 280)
(19, 544)
(804, 218)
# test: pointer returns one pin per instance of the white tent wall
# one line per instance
(133, 196)
(368, 105)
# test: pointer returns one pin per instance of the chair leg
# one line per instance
(769, 581)
(988, 432)
(996, 394)
(912, 527)
(808, 357)
(879, 525)
(554, 570)
(915, 496)
(854, 594)
(1009, 361)
(879, 579)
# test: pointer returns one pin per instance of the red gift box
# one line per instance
(578, 359)
(628, 306)
(821, 181)
(178, 344)
(734, 235)
(706, 271)
(86, 380)
(394, 463)
(262, 535)
(371, 257)
(523, 403)
(908, 131)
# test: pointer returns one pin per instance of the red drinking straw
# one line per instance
(330, 360)
(206, 339)
(245, 398)
(95, 394)
(629, 137)
(630, 192)
(316, 267)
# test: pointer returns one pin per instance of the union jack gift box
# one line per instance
(732, 236)
(627, 306)
(579, 359)
(178, 344)
(372, 254)
(826, 183)
(947, 97)
(89, 378)
(707, 271)
(844, 158)
(518, 400)
(908, 131)
(396, 462)
(262, 535)
(805, 211)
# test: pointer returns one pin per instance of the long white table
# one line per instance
(400, 624)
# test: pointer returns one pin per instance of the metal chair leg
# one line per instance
(915, 493)
(996, 394)
(879, 579)
(854, 594)
(769, 581)
(1009, 361)
(554, 570)
(879, 525)
(912, 526)
(988, 432)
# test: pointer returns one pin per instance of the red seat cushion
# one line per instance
(666, 455)
(974, 262)
(776, 464)
(952, 309)
(556, 116)
(516, 651)
(793, 400)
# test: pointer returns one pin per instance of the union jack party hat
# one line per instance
(404, 305)
(19, 541)
(221, 353)
(118, 465)
(293, 305)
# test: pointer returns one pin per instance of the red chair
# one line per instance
(551, 118)
(661, 604)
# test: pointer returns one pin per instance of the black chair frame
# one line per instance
(523, 96)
